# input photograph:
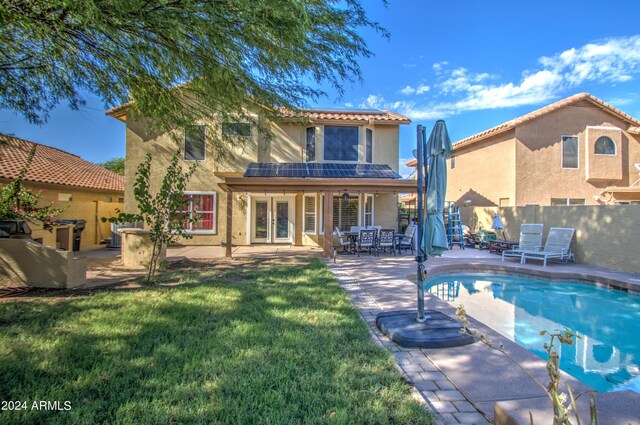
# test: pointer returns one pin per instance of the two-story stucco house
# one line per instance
(321, 169)
(578, 151)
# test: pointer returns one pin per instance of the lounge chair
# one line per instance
(407, 241)
(530, 240)
(556, 247)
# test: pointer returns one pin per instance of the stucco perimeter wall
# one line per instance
(606, 235)
(539, 172)
(484, 173)
(39, 266)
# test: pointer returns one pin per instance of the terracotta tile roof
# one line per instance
(581, 97)
(356, 115)
(54, 166)
(314, 115)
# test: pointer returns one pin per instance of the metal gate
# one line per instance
(116, 237)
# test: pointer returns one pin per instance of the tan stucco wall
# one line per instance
(55, 269)
(540, 176)
(484, 173)
(88, 205)
(287, 145)
(137, 248)
(604, 233)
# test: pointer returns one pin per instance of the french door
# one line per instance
(272, 219)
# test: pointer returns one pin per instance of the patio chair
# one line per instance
(530, 240)
(345, 243)
(386, 239)
(355, 229)
(407, 241)
(366, 241)
(556, 247)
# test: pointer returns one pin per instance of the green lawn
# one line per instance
(251, 341)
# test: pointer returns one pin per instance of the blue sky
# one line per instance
(475, 64)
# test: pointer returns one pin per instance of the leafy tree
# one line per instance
(20, 203)
(114, 164)
(236, 55)
(161, 212)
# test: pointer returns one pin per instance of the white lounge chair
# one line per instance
(556, 247)
(530, 240)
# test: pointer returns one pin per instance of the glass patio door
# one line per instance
(272, 220)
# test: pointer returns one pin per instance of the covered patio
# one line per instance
(329, 187)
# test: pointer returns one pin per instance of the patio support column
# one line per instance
(229, 224)
(328, 224)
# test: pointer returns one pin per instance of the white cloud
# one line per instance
(373, 101)
(349, 105)
(422, 88)
(408, 90)
(614, 60)
(438, 66)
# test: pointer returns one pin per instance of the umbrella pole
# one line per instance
(420, 207)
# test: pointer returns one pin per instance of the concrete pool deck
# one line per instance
(464, 384)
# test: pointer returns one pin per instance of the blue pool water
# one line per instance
(607, 357)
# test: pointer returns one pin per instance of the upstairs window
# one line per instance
(453, 162)
(605, 146)
(569, 152)
(340, 143)
(236, 129)
(311, 144)
(194, 142)
(368, 151)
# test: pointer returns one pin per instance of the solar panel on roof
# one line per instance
(320, 170)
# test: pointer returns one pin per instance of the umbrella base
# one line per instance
(438, 331)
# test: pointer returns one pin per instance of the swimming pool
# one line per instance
(607, 357)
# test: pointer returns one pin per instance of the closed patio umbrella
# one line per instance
(438, 148)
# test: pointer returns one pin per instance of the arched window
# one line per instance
(605, 146)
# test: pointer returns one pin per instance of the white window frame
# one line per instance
(366, 130)
(615, 147)
(184, 155)
(214, 230)
(306, 214)
(315, 144)
(364, 208)
(321, 213)
(577, 167)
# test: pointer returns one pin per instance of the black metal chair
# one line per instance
(386, 240)
(366, 241)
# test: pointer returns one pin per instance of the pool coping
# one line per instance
(501, 409)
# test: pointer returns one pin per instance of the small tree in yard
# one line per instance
(162, 212)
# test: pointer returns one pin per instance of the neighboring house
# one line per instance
(286, 189)
(89, 191)
(578, 151)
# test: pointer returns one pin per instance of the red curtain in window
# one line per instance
(202, 206)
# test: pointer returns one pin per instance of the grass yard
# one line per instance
(247, 341)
